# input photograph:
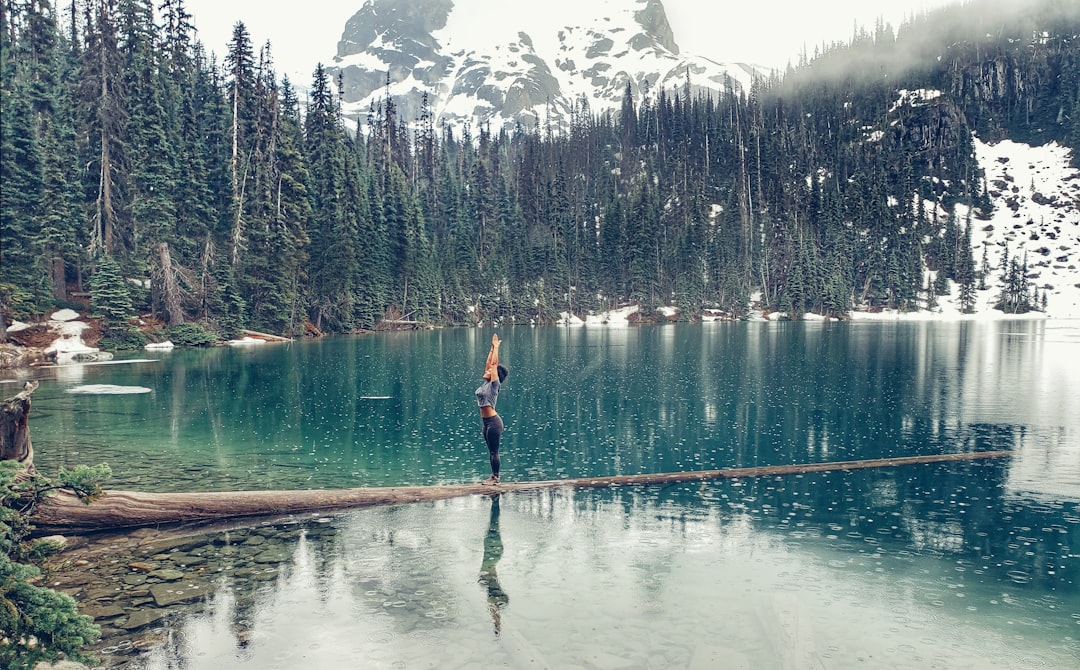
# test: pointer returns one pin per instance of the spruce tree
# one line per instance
(110, 299)
(101, 98)
(21, 175)
(151, 161)
(334, 232)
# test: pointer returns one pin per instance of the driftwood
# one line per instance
(15, 442)
(120, 509)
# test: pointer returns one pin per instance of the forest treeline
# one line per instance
(144, 176)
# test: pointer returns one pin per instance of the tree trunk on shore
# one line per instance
(15, 442)
(125, 509)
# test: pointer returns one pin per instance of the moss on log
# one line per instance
(125, 509)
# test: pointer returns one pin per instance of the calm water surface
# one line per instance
(965, 565)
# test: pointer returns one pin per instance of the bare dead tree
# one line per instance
(15, 442)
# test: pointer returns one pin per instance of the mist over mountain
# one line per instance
(527, 64)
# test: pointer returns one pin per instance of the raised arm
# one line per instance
(493, 357)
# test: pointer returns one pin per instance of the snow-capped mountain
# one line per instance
(516, 62)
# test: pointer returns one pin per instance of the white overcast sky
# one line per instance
(764, 32)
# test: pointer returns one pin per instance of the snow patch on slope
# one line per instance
(1036, 195)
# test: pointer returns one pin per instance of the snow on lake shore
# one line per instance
(1036, 196)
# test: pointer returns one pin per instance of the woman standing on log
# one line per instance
(486, 395)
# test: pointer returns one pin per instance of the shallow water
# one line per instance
(961, 565)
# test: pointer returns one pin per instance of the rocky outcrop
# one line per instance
(62, 338)
(930, 129)
(14, 356)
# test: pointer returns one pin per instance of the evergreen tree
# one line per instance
(21, 173)
(102, 98)
(335, 268)
(152, 178)
(39, 624)
(51, 72)
(109, 296)
(1015, 297)
(241, 83)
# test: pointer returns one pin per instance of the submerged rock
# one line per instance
(103, 611)
(89, 356)
(143, 618)
(170, 594)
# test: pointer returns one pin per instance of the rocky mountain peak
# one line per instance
(653, 20)
(524, 63)
(395, 22)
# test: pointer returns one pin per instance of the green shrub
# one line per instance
(38, 623)
(110, 297)
(122, 340)
(190, 335)
(16, 302)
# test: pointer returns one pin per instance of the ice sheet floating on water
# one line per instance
(108, 389)
(374, 397)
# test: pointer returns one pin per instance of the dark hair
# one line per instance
(502, 373)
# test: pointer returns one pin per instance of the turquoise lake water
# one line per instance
(962, 565)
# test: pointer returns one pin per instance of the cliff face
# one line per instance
(519, 65)
(928, 128)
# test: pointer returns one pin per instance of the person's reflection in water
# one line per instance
(493, 550)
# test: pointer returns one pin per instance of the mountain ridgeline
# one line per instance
(532, 64)
(151, 180)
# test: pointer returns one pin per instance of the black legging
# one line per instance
(493, 430)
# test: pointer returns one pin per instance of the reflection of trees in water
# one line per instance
(489, 578)
(955, 512)
(307, 554)
(958, 510)
(650, 517)
(387, 565)
(742, 395)
(249, 568)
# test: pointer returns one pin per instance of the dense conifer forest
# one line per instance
(141, 177)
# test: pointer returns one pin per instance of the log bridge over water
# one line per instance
(118, 509)
(127, 509)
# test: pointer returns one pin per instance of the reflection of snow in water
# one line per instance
(108, 389)
(125, 361)
(74, 372)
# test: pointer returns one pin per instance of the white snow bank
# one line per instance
(615, 317)
(70, 343)
(245, 342)
(64, 315)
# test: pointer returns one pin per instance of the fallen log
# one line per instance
(125, 509)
